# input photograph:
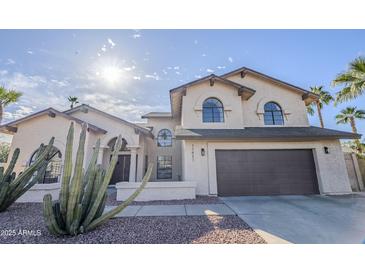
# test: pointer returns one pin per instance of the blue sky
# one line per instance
(129, 72)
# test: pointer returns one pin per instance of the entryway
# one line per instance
(121, 171)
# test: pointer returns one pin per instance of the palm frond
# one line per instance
(353, 81)
(310, 110)
(8, 96)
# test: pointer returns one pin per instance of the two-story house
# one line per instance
(242, 133)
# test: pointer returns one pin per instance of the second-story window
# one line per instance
(164, 138)
(213, 111)
(273, 114)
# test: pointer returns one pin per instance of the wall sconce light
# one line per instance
(202, 151)
(326, 150)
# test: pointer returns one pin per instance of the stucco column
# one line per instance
(132, 168)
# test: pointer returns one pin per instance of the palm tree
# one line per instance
(324, 99)
(348, 116)
(353, 81)
(73, 100)
(7, 96)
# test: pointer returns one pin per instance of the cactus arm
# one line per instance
(12, 163)
(86, 199)
(76, 182)
(1, 175)
(90, 172)
(67, 170)
(58, 216)
(98, 221)
(23, 178)
(49, 216)
(92, 163)
(18, 186)
(99, 177)
(74, 228)
(104, 184)
(90, 179)
(3, 191)
(27, 174)
(100, 174)
(25, 186)
(101, 208)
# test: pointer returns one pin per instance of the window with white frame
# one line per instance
(164, 138)
(164, 167)
(213, 111)
(273, 114)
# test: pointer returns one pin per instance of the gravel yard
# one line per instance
(23, 223)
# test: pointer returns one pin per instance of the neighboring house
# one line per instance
(242, 133)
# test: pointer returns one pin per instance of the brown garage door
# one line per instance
(265, 172)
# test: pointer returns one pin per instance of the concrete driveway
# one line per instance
(303, 219)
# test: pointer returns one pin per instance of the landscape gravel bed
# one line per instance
(199, 200)
(23, 223)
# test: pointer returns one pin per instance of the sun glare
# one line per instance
(111, 74)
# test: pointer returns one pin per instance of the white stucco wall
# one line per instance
(331, 170)
(32, 133)
(153, 151)
(112, 126)
(240, 113)
(36, 193)
(153, 191)
(290, 101)
(193, 100)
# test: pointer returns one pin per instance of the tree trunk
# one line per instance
(354, 130)
(353, 125)
(320, 114)
(1, 113)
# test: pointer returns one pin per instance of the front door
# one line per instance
(121, 170)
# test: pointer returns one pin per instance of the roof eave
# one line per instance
(254, 72)
(141, 129)
(10, 128)
(264, 139)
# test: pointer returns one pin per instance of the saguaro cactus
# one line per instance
(12, 187)
(83, 195)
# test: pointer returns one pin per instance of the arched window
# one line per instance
(53, 171)
(273, 114)
(213, 111)
(164, 138)
(112, 142)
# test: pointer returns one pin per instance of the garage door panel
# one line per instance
(265, 172)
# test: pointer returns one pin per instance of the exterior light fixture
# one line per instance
(326, 150)
(202, 151)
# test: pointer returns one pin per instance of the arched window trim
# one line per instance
(273, 117)
(213, 114)
(164, 140)
(112, 142)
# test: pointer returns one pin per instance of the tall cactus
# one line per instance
(83, 195)
(12, 187)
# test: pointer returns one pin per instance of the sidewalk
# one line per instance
(173, 210)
